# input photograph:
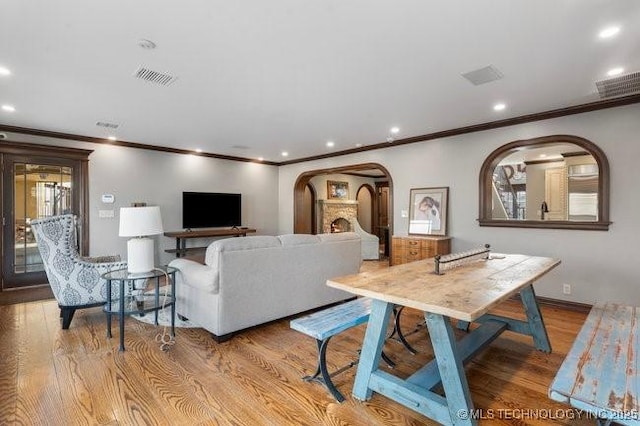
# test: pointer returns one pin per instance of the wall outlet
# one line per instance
(566, 288)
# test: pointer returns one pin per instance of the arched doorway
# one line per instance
(308, 224)
(300, 200)
(365, 198)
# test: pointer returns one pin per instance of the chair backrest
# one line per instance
(58, 232)
(75, 282)
(56, 239)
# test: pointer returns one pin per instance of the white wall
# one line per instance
(159, 178)
(600, 265)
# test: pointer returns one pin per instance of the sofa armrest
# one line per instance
(196, 275)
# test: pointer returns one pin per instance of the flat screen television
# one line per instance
(211, 210)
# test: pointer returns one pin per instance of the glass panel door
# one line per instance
(35, 190)
(39, 191)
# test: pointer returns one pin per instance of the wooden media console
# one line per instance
(182, 237)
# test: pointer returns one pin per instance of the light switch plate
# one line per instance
(105, 214)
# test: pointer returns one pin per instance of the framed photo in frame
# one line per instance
(337, 190)
(428, 211)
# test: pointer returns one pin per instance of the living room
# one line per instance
(596, 264)
(267, 194)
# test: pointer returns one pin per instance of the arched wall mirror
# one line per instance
(559, 182)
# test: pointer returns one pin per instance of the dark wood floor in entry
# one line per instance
(50, 376)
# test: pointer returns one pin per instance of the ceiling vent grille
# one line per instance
(617, 86)
(162, 78)
(483, 75)
(107, 125)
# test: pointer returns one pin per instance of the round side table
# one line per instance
(124, 303)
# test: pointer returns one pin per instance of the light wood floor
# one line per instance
(53, 377)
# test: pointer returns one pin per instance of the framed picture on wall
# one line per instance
(428, 211)
(337, 190)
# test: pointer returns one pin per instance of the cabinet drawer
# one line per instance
(414, 255)
(411, 243)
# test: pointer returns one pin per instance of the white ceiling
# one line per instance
(548, 152)
(256, 77)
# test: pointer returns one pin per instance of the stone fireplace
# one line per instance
(340, 213)
(341, 225)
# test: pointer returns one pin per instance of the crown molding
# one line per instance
(555, 113)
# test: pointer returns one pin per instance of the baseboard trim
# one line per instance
(25, 294)
(564, 304)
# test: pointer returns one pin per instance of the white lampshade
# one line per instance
(140, 221)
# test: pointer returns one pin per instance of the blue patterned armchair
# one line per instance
(75, 281)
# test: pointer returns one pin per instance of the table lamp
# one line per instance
(140, 222)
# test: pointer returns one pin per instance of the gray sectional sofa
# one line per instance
(252, 280)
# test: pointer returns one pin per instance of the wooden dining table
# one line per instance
(466, 293)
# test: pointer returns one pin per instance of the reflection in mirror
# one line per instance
(555, 181)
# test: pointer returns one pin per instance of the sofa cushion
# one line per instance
(339, 236)
(289, 240)
(236, 244)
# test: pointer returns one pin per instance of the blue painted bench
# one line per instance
(325, 324)
(600, 373)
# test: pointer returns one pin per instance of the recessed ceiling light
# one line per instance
(543, 155)
(285, 154)
(395, 130)
(260, 159)
(198, 150)
(615, 71)
(330, 144)
(609, 32)
(112, 138)
(358, 145)
(499, 107)
(4, 71)
(8, 108)
(146, 44)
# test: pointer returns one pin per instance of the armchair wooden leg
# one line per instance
(67, 316)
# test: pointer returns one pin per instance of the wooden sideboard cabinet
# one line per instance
(410, 248)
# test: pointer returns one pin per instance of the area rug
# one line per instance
(164, 318)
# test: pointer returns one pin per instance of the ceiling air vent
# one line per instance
(617, 86)
(107, 125)
(483, 75)
(152, 76)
